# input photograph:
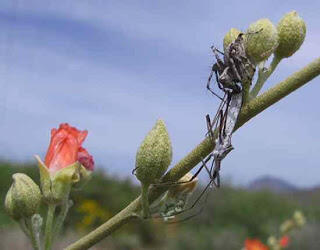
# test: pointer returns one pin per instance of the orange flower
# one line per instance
(65, 149)
(284, 241)
(254, 244)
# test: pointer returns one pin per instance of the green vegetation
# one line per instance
(229, 216)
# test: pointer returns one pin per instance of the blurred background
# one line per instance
(113, 68)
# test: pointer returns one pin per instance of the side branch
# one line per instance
(249, 111)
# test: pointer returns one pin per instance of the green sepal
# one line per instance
(45, 180)
(63, 180)
(56, 186)
(85, 176)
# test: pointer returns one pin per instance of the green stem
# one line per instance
(48, 230)
(106, 229)
(33, 236)
(250, 110)
(246, 89)
(263, 76)
(22, 223)
(145, 200)
(61, 217)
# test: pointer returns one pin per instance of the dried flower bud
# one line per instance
(185, 187)
(23, 198)
(261, 40)
(176, 198)
(299, 218)
(287, 226)
(230, 37)
(154, 155)
(291, 31)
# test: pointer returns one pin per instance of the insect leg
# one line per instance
(235, 71)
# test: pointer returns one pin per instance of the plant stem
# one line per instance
(48, 230)
(263, 76)
(22, 223)
(246, 89)
(145, 200)
(250, 110)
(33, 236)
(107, 228)
(61, 217)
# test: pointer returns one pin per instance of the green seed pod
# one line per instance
(154, 155)
(230, 37)
(261, 40)
(292, 31)
(23, 198)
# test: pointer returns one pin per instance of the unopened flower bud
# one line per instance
(67, 164)
(261, 40)
(23, 198)
(154, 155)
(230, 37)
(299, 218)
(291, 31)
(287, 226)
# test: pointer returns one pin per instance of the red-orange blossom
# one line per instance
(254, 244)
(66, 148)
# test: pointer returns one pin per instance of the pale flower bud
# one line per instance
(23, 198)
(261, 40)
(232, 34)
(154, 155)
(292, 31)
(273, 243)
(299, 218)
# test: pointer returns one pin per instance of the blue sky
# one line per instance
(114, 67)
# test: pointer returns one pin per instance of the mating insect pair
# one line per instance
(230, 73)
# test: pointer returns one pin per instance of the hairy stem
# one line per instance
(35, 240)
(23, 226)
(249, 111)
(61, 217)
(48, 230)
(145, 200)
(263, 76)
